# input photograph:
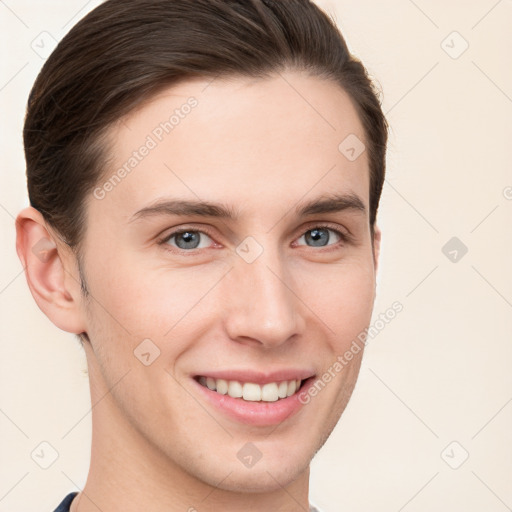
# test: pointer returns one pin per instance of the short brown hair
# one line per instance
(125, 51)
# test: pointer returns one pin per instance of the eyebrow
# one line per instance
(326, 204)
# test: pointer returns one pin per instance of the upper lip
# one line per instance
(258, 377)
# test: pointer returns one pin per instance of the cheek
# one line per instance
(135, 302)
(342, 297)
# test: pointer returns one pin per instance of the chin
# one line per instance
(265, 479)
(270, 473)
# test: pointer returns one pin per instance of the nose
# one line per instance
(262, 307)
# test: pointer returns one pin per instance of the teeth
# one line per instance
(250, 391)
(282, 389)
(234, 389)
(270, 392)
(222, 386)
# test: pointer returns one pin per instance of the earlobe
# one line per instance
(49, 271)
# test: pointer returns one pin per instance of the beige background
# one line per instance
(438, 373)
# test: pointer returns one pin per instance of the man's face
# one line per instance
(265, 296)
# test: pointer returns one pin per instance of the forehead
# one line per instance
(248, 142)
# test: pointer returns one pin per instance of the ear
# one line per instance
(376, 246)
(51, 271)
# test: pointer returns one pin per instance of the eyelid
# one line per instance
(344, 232)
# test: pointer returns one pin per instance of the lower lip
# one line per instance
(255, 413)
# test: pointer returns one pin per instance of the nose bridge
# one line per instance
(262, 305)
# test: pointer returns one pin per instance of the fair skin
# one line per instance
(160, 442)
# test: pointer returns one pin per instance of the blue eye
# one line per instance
(320, 237)
(190, 239)
(187, 239)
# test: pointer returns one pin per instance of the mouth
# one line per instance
(255, 398)
(251, 391)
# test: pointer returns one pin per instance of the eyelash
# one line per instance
(344, 237)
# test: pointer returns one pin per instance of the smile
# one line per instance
(250, 391)
(257, 398)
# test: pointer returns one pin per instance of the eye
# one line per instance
(319, 236)
(186, 239)
(189, 239)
